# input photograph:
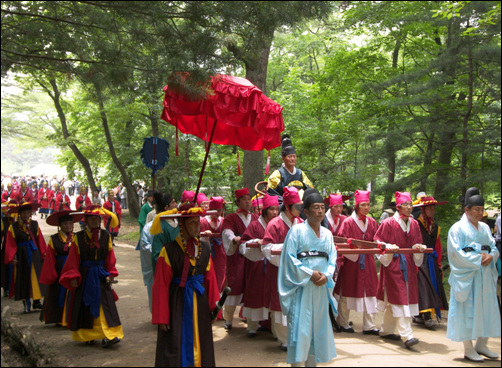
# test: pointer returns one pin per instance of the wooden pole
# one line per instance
(205, 161)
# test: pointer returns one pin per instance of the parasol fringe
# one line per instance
(268, 163)
(238, 163)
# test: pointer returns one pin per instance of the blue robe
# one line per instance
(474, 310)
(305, 304)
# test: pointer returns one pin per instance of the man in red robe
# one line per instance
(214, 224)
(113, 205)
(8, 194)
(25, 248)
(184, 293)
(254, 309)
(334, 215)
(397, 292)
(356, 286)
(43, 199)
(24, 194)
(234, 225)
(57, 252)
(63, 201)
(88, 273)
(83, 199)
(275, 233)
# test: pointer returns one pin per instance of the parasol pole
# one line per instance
(205, 161)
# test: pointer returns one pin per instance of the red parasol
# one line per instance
(233, 112)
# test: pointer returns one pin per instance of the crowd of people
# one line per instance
(291, 259)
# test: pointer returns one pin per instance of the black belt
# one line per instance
(483, 248)
(313, 253)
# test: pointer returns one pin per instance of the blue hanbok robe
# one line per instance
(305, 304)
(474, 310)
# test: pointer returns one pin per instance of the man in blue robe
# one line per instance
(305, 284)
(472, 254)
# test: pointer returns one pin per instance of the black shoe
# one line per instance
(227, 326)
(372, 332)
(418, 319)
(391, 337)
(429, 324)
(410, 342)
(107, 342)
(37, 304)
(348, 330)
(283, 348)
(251, 334)
(90, 342)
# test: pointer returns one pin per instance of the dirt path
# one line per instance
(231, 348)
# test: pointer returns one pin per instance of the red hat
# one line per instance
(241, 192)
(201, 197)
(55, 218)
(270, 200)
(216, 203)
(187, 196)
(428, 201)
(335, 199)
(290, 196)
(27, 205)
(402, 197)
(361, 196)
(257, 202)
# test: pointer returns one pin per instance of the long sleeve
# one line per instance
(110, 260)
(10, 246)
(42, 246)
(160, 290)
(70, 270)
(49, 275)
(211, 285)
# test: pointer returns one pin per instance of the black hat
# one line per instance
(473, 198)
(149, 193)
(311, 199)
(162, 200)
(287, 145)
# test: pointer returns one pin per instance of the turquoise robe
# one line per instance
(474, 310)
(305, 304)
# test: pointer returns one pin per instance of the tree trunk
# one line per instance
(62, 118)
(134, 209)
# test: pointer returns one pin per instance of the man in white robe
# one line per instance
(305, 283)
(472, 254)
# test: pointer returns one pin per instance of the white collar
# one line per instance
(291, 172)
(363, 226)
(285, 218)
(404, 226)
(262, 221)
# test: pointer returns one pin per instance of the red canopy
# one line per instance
(245, 117)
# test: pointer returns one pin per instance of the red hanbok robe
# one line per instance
(59, 206)
(255, 280)
(21, 197)
(392, 279)
(275, 233)
(52, 199)
(218, 254)
(235, 261)
(81, 200)
(85, 254)
(335, 226)
(53, 310)
(34, 195)
(115, 208)
(25, 283)
(44, 202)
(168, 302)
(6, 195)
(353, 281)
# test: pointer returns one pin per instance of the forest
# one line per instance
(399, 95)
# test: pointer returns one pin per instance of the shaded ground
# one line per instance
(231, 348)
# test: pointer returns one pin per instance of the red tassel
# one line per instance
(268, 164)
(238, 163)
(177, 144)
